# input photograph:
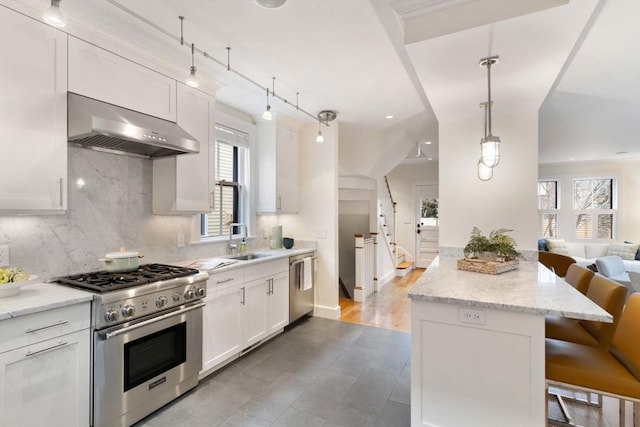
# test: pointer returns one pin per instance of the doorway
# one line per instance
(427, 227)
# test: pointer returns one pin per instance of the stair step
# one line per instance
(403, 265)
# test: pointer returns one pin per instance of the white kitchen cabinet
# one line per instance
(222, 331)
(279, 302)
(100, 74)
(33, 116)
(277, 154)
(184, 184)
(256, 312)
(45, 367)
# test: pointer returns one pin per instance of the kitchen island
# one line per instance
(477, 343)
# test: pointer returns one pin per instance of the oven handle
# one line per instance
(109, 335)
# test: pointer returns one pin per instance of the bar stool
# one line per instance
(557, 263)
(615, 373)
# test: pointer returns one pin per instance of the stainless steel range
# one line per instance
(147, 339)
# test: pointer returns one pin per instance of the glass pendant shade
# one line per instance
(484, 173)
(53, 15)
(267, 114)
(192, 80)
(320, 138)
(490, 151)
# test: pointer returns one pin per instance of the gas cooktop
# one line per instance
(104, 281)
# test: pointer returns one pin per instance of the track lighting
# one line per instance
(192, 80)
(267, 113)
(54, 16)
(490, 144)
(319, 138)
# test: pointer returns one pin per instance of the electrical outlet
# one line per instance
(4, 256)
(468, 315)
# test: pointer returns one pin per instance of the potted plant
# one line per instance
(497, 245)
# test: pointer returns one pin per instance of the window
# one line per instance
(548, 208)
(231, 160)
(593, 208)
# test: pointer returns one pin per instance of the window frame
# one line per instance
(594, 213)
(550, 211)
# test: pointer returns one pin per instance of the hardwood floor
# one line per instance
(390, 309)
(387, 309)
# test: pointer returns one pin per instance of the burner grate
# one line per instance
(104, 281)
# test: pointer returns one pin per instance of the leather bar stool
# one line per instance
(579, 277)
(558, 263)
(607, 294)
(615, 372)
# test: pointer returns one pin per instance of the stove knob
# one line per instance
(188, 294)
(161, 301)
(128, 310)
(200, 292)
(176, 297)
(111, 315)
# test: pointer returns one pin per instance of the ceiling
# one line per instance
(576, 62)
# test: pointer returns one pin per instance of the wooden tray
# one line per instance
(486, 267)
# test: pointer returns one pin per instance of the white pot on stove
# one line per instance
(122, 261)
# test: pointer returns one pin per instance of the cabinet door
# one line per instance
(183, 184)
(256, 311)
(100, 74)
(33, 115)
(286, 171)
(279, 302)
(222, 326)
(47, 384)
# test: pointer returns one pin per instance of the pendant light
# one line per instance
(192, 80)
(485, 173)
(267, 113)
(54, 16)
(319, 138)
(490, 144)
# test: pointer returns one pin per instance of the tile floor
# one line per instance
(318, 373)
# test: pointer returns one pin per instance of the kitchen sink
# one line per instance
(248, 257)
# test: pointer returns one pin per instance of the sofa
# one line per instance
(586, 254)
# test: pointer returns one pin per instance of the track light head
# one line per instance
(54, 16)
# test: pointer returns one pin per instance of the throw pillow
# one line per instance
(623, 250)
(542, 245)
(558, 246)
(637, 258)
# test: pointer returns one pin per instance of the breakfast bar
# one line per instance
(477, 343)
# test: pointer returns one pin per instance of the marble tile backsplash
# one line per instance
(111, 210)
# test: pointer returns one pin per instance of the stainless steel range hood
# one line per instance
(105, 127)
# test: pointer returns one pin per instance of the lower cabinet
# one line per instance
(239, 314)
(46, 382)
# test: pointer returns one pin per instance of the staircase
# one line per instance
(404, 263)
(402, 260)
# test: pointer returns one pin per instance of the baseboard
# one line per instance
(384, 280)
(332, 313)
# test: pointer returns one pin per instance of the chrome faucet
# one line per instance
(231, 246)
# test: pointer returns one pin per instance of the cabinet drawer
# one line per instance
(225, 279)
(265, 269)
(34, 328)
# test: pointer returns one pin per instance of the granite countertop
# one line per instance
(532, 288)
(38, 297)
(223, 263)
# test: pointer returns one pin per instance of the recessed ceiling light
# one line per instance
(388, 116)
(430, 158)
(270, 4)
(428, 142)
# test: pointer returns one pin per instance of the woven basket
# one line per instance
(486, 267)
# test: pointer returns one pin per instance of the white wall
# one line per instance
(508, 200)
(318, 216)
(402, 180)
(627, 175)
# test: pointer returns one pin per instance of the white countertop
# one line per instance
(532, 288)
(46, 296)
(222, 263)
(38, 297)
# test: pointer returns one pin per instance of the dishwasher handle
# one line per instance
(291, 264)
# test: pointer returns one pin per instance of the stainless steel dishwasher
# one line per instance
(301, 301)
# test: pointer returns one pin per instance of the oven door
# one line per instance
(140, 366)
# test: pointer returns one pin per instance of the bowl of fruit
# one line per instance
(12, 279)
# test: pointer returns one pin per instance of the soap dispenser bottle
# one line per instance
(243, 246)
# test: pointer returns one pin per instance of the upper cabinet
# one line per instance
(99, 74)
(277, 154)
(33, 116)
(184, 184)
